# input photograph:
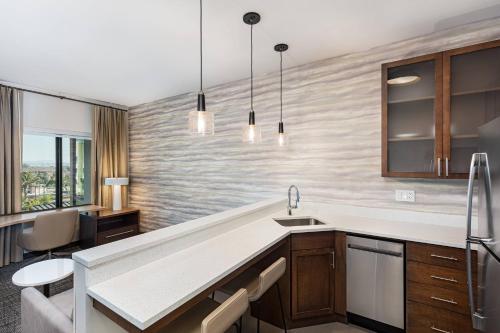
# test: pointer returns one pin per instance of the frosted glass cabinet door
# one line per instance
(412, 117)
(472, 98)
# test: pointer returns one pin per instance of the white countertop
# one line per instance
(163, 285)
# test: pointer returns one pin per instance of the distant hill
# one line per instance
(43, 164)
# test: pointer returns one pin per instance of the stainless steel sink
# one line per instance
(297, 222)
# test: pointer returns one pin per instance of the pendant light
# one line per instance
(201, 122)
(282, 137)
(251, 132)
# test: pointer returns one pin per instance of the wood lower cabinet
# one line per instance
(340, 274)
(437, 299)
(313, 283)
(108, 226)
(318, 275)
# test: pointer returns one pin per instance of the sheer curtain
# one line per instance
(11, 138)
(109, 152)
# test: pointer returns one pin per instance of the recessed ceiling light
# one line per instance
(403, 79)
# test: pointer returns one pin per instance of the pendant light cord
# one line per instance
(251, 67)
(201, 46)
(281, 86)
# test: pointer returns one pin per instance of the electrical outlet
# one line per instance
(404, 195)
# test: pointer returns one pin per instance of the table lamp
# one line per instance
(117, 191)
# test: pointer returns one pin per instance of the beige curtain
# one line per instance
(109, 153)
(11, 138)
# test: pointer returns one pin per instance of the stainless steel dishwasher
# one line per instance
(375, 284)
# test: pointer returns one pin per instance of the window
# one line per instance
(38, 175)
(55, 172)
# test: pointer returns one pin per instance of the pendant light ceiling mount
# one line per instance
(280, 47)
(251, 18)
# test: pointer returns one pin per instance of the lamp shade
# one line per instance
(116, 181)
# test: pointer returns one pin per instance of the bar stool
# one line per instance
(257, 283)
(212, 317)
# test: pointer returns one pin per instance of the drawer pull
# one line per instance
(439, 330)
(450, 301)
(444, 279)
(443, 257)
(120, 233)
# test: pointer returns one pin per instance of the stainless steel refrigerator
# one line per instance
(485, 310)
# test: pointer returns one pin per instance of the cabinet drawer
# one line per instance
(436, 255)
(427, 319)
(447, 299)
(442, 277)
(113, 222)
(116, 234)
(313, 240)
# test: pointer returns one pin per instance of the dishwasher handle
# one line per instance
(374, 250)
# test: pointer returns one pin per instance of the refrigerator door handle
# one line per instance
(477, 318)
(478, 160)
(470, 191)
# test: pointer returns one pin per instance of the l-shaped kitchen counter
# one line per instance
(144, 278)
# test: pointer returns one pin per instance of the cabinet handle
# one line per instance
(450, 301)
(333, 259)
(373, 250)
(439, 166)
(446, 166)
(120, 233)
(443, 257)
(444, 279)
(439, 330)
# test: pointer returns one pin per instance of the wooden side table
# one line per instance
(108, 226)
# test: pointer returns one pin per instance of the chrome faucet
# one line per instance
(297, 199)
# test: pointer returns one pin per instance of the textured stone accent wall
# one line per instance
(332, 113)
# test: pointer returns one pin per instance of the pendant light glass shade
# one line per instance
(282, 139)
(201, 122)
(252, 134)
(282, 136)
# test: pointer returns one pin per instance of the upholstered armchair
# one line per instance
(40, 314)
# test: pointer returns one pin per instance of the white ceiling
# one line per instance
(131, 51)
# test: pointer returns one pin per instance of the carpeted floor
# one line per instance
(10, 296)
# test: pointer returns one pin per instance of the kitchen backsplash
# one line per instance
(332, 113)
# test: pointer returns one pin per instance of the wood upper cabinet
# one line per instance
(313, 275)
(471, 89)
(430, 126)
(412, 118)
